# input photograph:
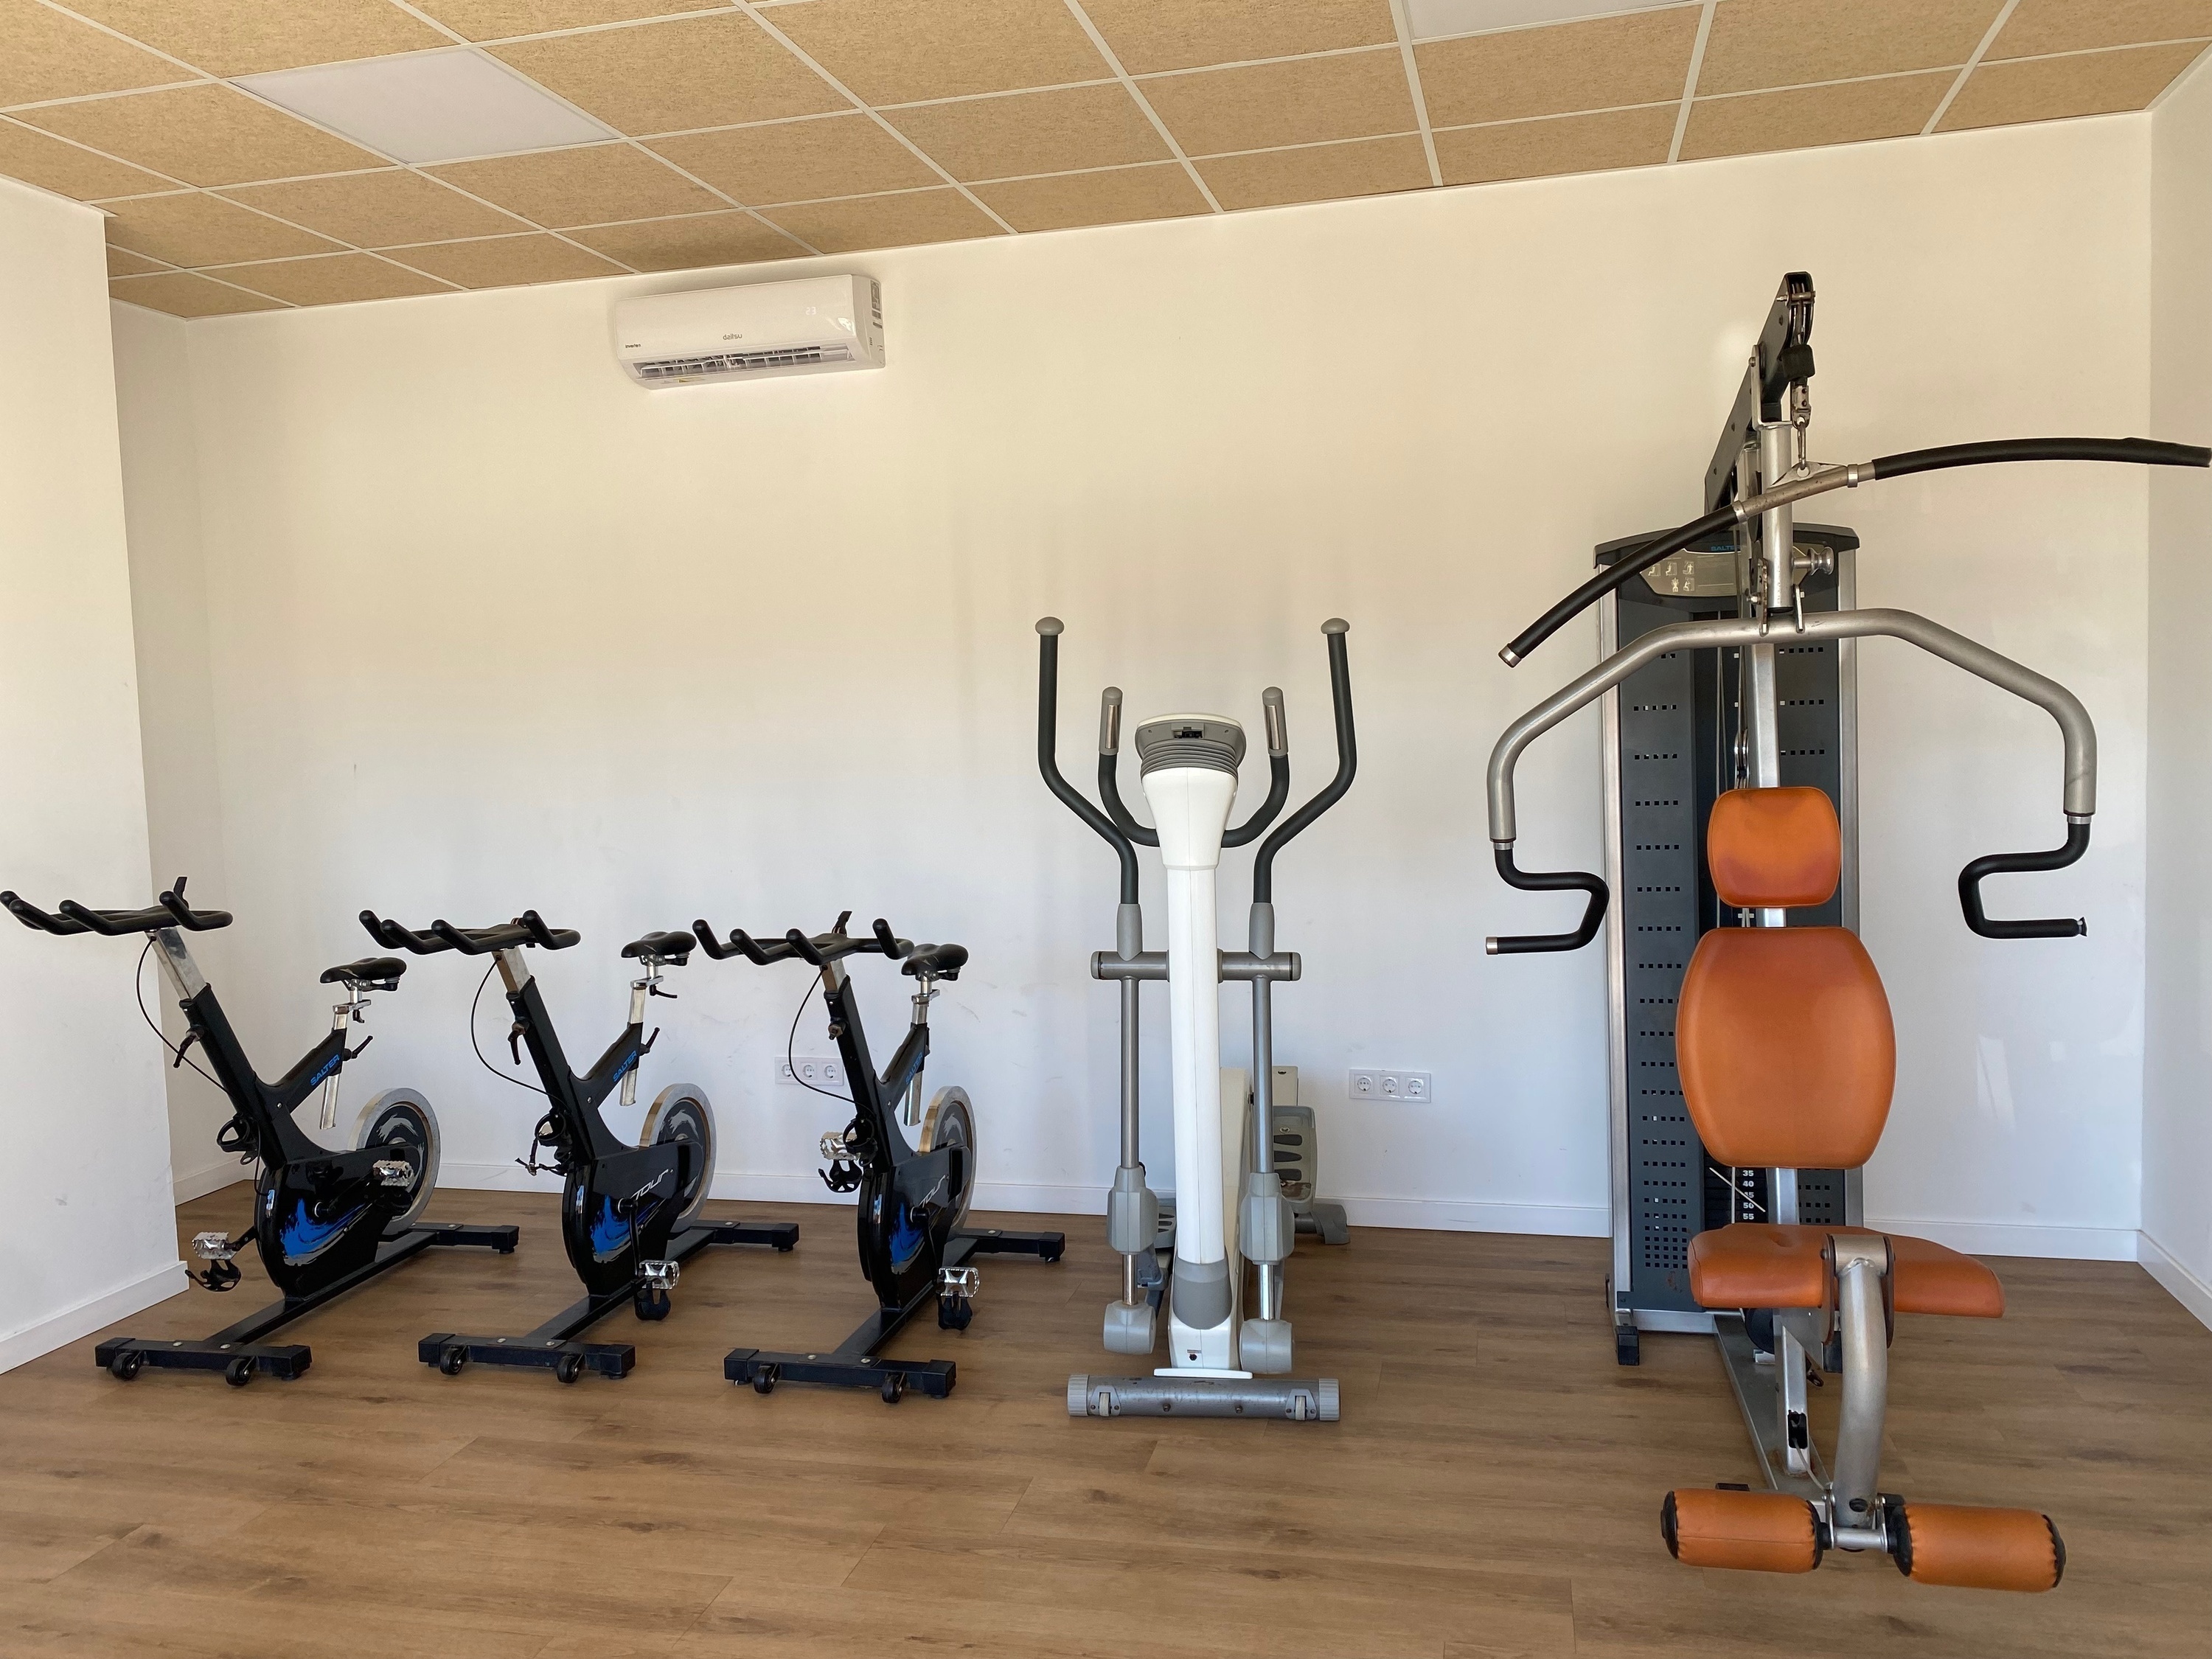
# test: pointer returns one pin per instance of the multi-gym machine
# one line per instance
(324, 1221)
(631, 1215)
(1751, 1075)
(1193, 1258)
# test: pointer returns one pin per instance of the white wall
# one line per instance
(85, 1183)
(176, 708)
(491, 628)
(2177, 1103)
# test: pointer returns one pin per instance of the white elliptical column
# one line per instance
(1190, 782)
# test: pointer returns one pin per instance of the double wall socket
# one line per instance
(1390, 1085)
(812, 1071)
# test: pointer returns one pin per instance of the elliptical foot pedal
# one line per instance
(1971, 1548)
(1752, 1531)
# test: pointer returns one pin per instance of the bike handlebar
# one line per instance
(819, 952)
(171, 911)
(2142, 451)
(526, 930)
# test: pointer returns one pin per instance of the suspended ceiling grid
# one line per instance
(613, 136)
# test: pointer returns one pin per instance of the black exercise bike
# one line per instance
(913, 1197)
(629, 1214)
(324, 1222)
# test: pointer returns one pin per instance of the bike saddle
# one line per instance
(662, 947)
(937, 961)
(368, 970)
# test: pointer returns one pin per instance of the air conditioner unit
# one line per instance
(818, 325)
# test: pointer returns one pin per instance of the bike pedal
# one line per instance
(658, 1276)
(959, 1282)
(392, 1172)
(212, 1247)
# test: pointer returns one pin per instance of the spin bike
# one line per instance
(324, 1222)
(630, 1215)
(913, 1197)
(1769, 1086)
(1231, 1207)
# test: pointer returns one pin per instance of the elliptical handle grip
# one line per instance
(1348, 763)
(1549, 881)
(1970, 888)
(1049, 632)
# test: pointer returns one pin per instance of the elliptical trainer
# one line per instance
(1231, 1207)
(630, 1215)
(324, 1222)
(913, 1198)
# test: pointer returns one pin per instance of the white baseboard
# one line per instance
(19, 1347)
(2008, 1238)
(1447, 1215)
(198, 1184)
(2183, 1286)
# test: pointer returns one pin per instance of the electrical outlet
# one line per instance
(1412, 1087)
(813, 1070)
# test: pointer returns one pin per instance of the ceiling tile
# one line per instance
(192, 229)
(1603, 64)
(1787, 43)
(1566, 143)
(1115, 196)
(495, 19)
(2051, 89)
(507, 261)
(800, 160)
(2046, 25)
(48, 163)
(1028, 132)
(337, 279)
(874, 221)
(712, 239)
(205, 135)
(121, 263)
(50, 56)
(1805, 117)
(594, 185)
(894, 52)
(245, 37)
(183, 294)
(1323, 173)
(377, 210)
(1308, 100)
(1147, 36)
(713, 71)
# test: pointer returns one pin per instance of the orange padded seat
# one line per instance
(1752, 1264)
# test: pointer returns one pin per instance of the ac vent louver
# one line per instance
(740, 362)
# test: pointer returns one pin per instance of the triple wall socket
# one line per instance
(812, 1071)
(1390, 1085)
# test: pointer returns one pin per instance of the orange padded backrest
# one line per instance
(1774, 848)
(1784, 1044)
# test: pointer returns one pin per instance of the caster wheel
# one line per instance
(126, 1364)
(954, 1313)
(452, 1359)
(239, 1372)
(784, 1250)
(894, 1389)
(764, 1382)
(568, 1367)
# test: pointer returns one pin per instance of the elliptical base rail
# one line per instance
(1297, 1400)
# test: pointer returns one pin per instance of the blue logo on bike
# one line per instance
(610, 1231)
(302, 1238)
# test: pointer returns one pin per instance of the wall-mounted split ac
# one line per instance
(819, 326)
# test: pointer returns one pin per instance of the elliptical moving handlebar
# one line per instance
(1124, 834)
(2143, 452)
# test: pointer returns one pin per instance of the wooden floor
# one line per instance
(1493, 1490)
